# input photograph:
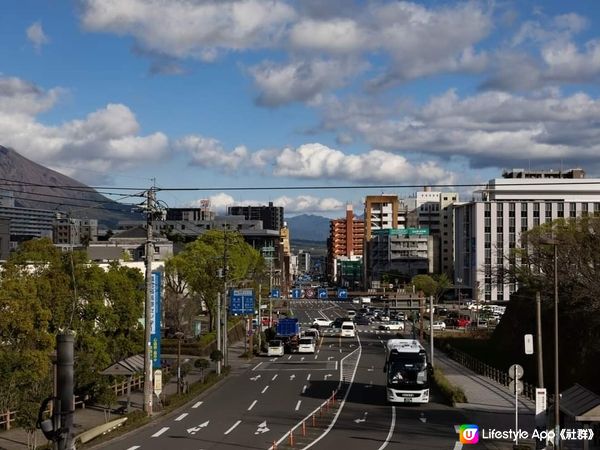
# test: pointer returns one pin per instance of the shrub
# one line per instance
(453, 394)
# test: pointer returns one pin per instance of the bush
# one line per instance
(453, 394)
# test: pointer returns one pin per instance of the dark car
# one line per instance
(337, 322)
(361, 320)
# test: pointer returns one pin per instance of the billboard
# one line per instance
(155, 301)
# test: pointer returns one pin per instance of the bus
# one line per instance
(407, 371)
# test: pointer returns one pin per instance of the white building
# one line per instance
(488, 228)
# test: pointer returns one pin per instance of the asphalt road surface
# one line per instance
(253, 409)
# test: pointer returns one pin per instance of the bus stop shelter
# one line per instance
(127, 367)
(580, 408)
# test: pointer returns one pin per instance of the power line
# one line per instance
(371, 186)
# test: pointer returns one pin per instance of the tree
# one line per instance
(195, 269)
(106, 396)
(432, 286)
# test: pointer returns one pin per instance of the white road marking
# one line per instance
(194, 430)
(290, 357)
(265, 389)
(308, 377)
(298, 405)
(161, 431)
(134, 447)
(302, 359)
(251, 406)
(181, 417)
(256, 366)
(292, 376)
(233, 427)
(457, 445)
(262, 428)
(391, 432)
(274, 376)
(304, 389)
(316, 356)
(196, 405)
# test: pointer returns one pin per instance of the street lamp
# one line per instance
(179, 335)
(554, 243)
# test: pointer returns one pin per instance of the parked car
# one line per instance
(320, 322)
(312, 332)
(275, 348)
(463, 321)
(338, 321)
(392, 325)
(439, 325)
(306, 345)
(351, 313)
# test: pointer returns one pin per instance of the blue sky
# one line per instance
(235, 93)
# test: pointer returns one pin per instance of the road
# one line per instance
(256, 407)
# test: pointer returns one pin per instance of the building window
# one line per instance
(549, 210)
(572, 210)
(560, 210)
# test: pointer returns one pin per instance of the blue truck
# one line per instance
(288, 331)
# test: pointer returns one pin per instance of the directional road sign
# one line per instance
(275, 293)
(322, 293)
(342, 293)
(296, 293)
(242, 301)
(519, 386)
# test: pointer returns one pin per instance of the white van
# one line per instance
(275, 348)
(348, 329)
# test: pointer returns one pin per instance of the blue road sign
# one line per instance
(322, 293)
(242, 301)
(275, 293)
(342, 293)
(296, 293)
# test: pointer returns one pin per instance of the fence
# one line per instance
(8, 417)
(486, 370)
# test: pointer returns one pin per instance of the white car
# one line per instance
(306, 345)
(322, 322)
(439, 326)
(392, 325)
(275, 348)
(348, 329)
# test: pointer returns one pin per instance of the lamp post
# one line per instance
(179, 335)
(554, 243)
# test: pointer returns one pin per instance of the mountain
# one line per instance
(308, 227)
(35, 186)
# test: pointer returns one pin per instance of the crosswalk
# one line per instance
(360, 329)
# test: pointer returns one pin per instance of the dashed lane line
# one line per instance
(233, 427)
(298, 405)
(274, 376)
(161, 431)
(196, 405)
(181, 417)
(265, 389)
(252, 405)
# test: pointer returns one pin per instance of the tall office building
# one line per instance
(271, 216)
(488, 228)
(345, 242)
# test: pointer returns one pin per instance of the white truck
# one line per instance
(408, 371)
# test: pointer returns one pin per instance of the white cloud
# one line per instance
(35, 35)
(488, 129)
(197, 29)
(208, 152)
(292, 205)
(301, 80)
(315, 161)
(104, 140)
(338, 35)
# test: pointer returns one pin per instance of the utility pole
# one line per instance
(150, 197)
(556, 365)
(259, 317)
(224, 299)
(64, 374)
(538, 321)
(431, 328)
(218, 331)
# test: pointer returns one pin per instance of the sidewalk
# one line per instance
(490, 405)
(93, 415)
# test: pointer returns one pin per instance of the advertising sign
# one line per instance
(155, 301)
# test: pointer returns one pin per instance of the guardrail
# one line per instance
(486, 370)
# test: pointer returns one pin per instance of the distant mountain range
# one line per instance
(308, 227)
(35, 186)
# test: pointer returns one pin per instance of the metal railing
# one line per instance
(486, 370)
(8, 417)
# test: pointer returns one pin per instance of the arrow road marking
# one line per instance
(194, 430)
(233, 427)
(329, 358)
(328, 375)
(364, 418)
(161, 431)
(255, 378)
(302, 359)
(196, 405)
(292, 376)
(273, 359)
(423, 418)
(262, 428)
(181, 417)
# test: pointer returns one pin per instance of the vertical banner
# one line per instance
(155, 323)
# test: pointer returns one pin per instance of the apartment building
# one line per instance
(488, 228)
(346, 240)
(271, 216)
